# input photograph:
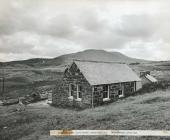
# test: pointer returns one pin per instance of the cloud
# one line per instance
(90, 20)
(99, 40)
(16, 43)
(163, 22)
(157, 50)
(136, 26)
(44, 28)
(20, 16)
(59, 26)
(35, 44)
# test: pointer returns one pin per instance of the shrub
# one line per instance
(151, 87)
(37, 72)
(136, 63)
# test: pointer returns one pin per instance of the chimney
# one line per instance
(144, 73)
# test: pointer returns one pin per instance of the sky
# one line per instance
(50, 28)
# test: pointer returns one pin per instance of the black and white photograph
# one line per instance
(84, 70)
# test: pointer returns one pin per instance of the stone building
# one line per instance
(147, 78)
(90, 83)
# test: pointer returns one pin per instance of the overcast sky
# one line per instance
(49, 28)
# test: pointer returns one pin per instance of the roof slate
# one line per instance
(98, 73)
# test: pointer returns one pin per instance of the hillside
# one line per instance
(21, 76)
(99, 55)
(148, 111)
(95, 55)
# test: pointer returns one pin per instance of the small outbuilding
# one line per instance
(91, 83)
(147, 78)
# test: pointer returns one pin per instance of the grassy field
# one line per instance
(148, 111)
(160, 70)
(21, 80)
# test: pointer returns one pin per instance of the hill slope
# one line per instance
(100, 55)
(148, 111)
(95, 55)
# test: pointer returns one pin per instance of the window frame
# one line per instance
(108, 93)
(122, 90)
(120, 95)
(132, 88)
(79, 91)
(70, 91)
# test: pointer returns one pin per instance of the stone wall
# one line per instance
(113, 92)
(57, 97)
(61, 95)
(145, 80)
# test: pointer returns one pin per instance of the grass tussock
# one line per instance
(18, 124)
(155, 100)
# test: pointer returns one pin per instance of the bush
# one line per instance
(151, 87)
(37, 72)
(137, 63)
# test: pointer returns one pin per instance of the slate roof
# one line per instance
(98, 73)
(151, 78)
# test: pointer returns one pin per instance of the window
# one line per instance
(105, 92)
(71, 91)
(98, 88)
(132, 87)
(120, 93)
(79, 92)
(95, 89)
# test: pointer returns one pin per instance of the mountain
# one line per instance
(94, 55)
(99, 55)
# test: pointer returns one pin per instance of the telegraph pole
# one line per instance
(3, 82)
(3, 86)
